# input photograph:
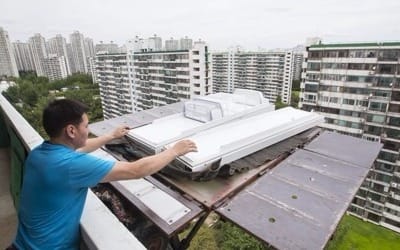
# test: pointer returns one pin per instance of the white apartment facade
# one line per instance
(142, 78)
(58, 45)
(164, 77)
(79, 58)
(111, 73)
(8, 65)
(357, 88)
(268, 72)
(23, 56)
(54, 67)
(39, 52)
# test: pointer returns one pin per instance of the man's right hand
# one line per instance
(184, 146)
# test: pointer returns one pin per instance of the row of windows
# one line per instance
(383, 55)
(378, 69)
(380, 81)
(165, 57)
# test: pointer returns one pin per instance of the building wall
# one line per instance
(357, 88)
(165, 77)
(23, 56)
(58, 45)
(54, 67)
(171, 44)
(112, 75)
(39, 52)
(268, 72)
(78, 53)
(297, 65)
(8, 65)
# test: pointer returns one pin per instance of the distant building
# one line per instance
(23, 56)
(111, 72)
(78, 53)
(185, 43)
(297, 65)
(58, 45)
(154, 43)
(146, 45)
(171, 44)
(71, 60)
(111, 48)
(139, 80)
(39, 52)
(356, 86)
(268, 72)
(54, 67)
(8, 65)
(166, 77)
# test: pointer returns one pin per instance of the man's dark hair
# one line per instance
(60, 113)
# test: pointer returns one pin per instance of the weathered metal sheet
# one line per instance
(167, 209)
(298, 204)
(346, 148)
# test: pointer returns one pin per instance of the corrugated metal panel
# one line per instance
(299, 203)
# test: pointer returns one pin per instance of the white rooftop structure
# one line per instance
(200, 113)
(225, 127)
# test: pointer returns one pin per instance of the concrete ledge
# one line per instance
(100, 229)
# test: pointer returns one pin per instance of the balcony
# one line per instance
(17, 139)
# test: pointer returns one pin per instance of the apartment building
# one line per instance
(55, 67)
(8, 65)
(39, 52)
(111, 48)
(357, 88)
(268, 72)
(171, 44)
(23, 56)
(111, 72)
(164, 77)
(144, 78)
(297, 65)
(58, 45)
(79, 58)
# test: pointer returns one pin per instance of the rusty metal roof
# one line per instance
(298, 204)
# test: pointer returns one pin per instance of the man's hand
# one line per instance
(120, 132)
(183, 147)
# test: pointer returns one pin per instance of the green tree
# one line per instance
(295, 99)
(278, 103)
(296, 85)
(31, 94)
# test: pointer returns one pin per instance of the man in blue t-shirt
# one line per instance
(58, 173)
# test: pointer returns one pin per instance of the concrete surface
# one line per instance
(8, 216)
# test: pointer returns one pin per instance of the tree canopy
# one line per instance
(31, 94)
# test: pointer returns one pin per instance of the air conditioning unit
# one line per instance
(392, 194)
(394, 185)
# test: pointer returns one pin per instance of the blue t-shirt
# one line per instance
(55, 184)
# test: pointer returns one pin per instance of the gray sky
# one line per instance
(251, 24)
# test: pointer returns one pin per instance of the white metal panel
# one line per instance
(172, 128)
(161, 203)
(241, 137)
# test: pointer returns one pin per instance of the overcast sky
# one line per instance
(251, 24)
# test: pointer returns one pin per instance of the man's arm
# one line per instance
(150, 164)
(94, 143)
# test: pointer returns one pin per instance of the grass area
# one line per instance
(351, 234)
(356, 234)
